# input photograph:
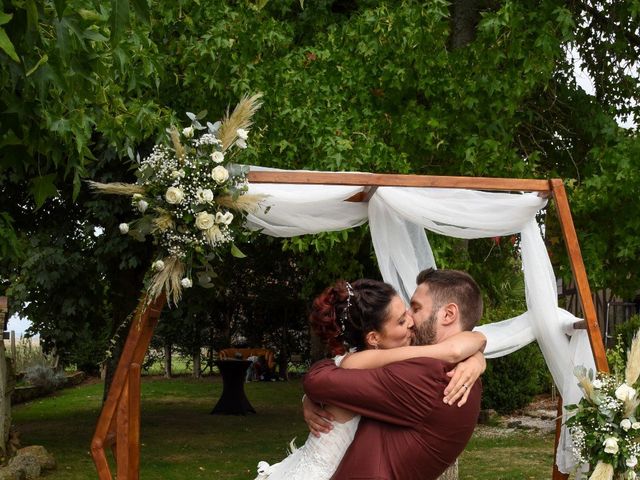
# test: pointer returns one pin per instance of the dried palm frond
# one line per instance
(163, 222)
(177, 146)
(632, 371)
(240, 118)
(116, 188)
(244, 203)
(168, 279)
(603, 471)
(585, 382)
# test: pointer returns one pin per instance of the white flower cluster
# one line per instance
(182, 185)
(605, 424)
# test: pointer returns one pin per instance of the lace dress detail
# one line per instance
(318, 458)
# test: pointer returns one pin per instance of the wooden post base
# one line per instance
(119, 423)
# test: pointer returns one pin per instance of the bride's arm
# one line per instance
(454, 349)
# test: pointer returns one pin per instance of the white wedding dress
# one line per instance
(318, 458)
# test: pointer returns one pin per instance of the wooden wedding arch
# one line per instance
(118, 426)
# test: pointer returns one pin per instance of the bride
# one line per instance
(370, 320)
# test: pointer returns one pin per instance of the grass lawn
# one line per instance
(180, 440)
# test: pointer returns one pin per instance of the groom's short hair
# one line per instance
(454, 286)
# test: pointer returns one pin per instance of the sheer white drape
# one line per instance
(398, 217)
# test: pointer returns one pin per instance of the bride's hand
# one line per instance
(317, 418)
(462, 379)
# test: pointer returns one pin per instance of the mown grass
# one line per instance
(181, 440)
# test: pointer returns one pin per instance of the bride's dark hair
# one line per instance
(342, 319)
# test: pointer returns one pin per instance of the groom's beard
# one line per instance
(425, 334)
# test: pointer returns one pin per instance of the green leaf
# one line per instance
(60, 6)
(141, 9)
(42, 60)
(32, 15)
(42, 188)
(119, 19)
(5, 17)
(7, 46)
(235, 251)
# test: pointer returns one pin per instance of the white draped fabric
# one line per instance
(398, 217)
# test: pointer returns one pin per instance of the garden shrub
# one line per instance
(511, 382)
(44, 377)
(624, 333)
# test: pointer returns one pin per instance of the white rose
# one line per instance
(242, 134)
(204, 220)
(220, 174)
(225, 218)
(635, 425)
(137, 196)
(611, 445)
(188, 132)
(174, 195)
(158, 265)
(597, 383)
(124, 228)
(631, 462)
(625, 424)
(631, 475)
(204, 196)
(217, 157)
(240, 143)
(186, 282)
(625, 392)
(142, 206)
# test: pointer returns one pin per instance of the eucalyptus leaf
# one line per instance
(235, 251)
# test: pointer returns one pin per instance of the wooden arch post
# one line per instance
(119, 422)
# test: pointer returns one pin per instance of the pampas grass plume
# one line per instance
(244, 203)
(603, 471)
(116, 188)
(632, 370)
(168, 279)
(177, 146)
(239, 118)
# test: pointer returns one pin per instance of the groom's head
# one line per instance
(444, 303)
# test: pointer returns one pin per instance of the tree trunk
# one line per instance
(465, 15)
(7, 384)
(167, 360)
(450, 473)
(197, 367)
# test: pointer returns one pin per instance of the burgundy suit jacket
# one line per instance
(407, 432)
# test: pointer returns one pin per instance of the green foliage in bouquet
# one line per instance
(185, 193)
(605, 424)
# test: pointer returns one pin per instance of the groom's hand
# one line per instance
(317, 418)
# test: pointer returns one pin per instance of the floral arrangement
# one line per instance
(191, 198)
(605, 424)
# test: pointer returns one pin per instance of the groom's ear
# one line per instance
(451, 314)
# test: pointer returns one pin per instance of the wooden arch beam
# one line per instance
(119, 422)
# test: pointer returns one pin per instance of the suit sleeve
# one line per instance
(400, 393)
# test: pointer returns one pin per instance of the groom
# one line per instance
(407, 431)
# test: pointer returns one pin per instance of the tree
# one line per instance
(460, 88)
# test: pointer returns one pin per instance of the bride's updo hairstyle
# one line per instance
(343, 314)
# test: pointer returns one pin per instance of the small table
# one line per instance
(233, 400)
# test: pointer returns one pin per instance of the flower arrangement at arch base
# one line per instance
(191, 198)
(605, 424)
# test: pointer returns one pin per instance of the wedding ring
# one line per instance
(465, 386)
